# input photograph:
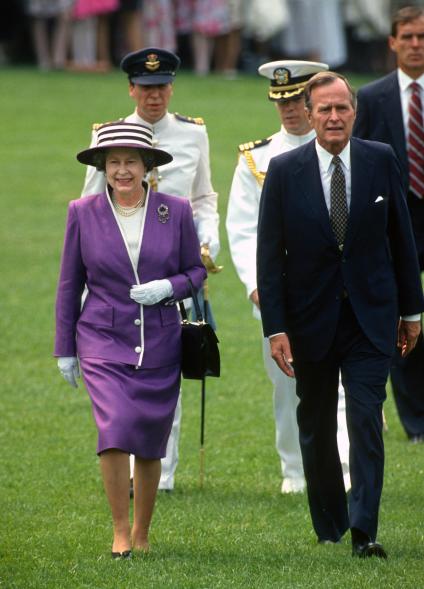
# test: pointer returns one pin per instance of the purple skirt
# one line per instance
(133, 409)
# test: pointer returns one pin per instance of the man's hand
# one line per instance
(408, 332)
(254, 297)
(281, 353)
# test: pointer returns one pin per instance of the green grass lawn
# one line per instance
(238, 531)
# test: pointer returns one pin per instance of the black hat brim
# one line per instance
(160, 157)
(152, 80)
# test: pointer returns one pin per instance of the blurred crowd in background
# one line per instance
(220, 36)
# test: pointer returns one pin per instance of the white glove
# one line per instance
(214, 249)
(151, 292)
(68, 366)
(213, 245)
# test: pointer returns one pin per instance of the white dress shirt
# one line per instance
(405, 95)
(326, 168)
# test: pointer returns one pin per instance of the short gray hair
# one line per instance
(324, 79)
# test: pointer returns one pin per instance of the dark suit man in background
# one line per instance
(337, 265)
(390, 110)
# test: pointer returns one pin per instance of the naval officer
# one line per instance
(151, 73)
(287, 80)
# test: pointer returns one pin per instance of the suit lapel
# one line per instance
(148, 237)
(309, 179)
(111, 229)
(391, 108)
(361, 172)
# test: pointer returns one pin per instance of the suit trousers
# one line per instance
(364, 371)
(286, 428)
(407, 374)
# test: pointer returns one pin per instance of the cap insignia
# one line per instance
(282, 76)
(152, 62)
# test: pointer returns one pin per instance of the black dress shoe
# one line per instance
(124, 555)
(368, 549)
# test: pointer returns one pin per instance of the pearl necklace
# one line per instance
(127, 211)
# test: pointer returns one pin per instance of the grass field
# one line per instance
(238, 531)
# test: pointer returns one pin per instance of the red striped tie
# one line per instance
(416, 142)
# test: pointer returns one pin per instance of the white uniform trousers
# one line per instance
(287, 431)
(169, 463)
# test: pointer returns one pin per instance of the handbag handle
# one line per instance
(199, 316)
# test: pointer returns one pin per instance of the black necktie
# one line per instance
(338, 205)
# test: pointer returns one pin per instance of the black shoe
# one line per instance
(368, 549)
(124, 555)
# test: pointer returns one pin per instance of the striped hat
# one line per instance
(123, 134)
(288, 78)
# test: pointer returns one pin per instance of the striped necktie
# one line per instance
(416, 142)
(338, 201)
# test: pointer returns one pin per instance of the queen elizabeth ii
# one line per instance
(135, 250)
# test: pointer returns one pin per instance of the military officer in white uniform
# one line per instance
(287, 80)
(151, 73)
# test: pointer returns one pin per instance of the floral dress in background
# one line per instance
(209, 17)
(47, 8)
(158, 24)
(86, 8)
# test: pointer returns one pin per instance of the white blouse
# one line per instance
(131, 228)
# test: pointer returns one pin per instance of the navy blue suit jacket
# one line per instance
(379, 118)
(301, 272)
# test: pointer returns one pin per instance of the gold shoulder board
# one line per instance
(95, 126)
(194, 120)
(253, 144)
(245, 149)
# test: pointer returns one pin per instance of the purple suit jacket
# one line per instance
(111, 325)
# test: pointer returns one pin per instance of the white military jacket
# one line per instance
(243, 205)
(188, 175)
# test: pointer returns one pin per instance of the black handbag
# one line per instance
(200, 352)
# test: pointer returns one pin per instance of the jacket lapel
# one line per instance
(112, 230)
(148, 237)
(308, 178)
(156, 234)
(362, 170)
(391, 108)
